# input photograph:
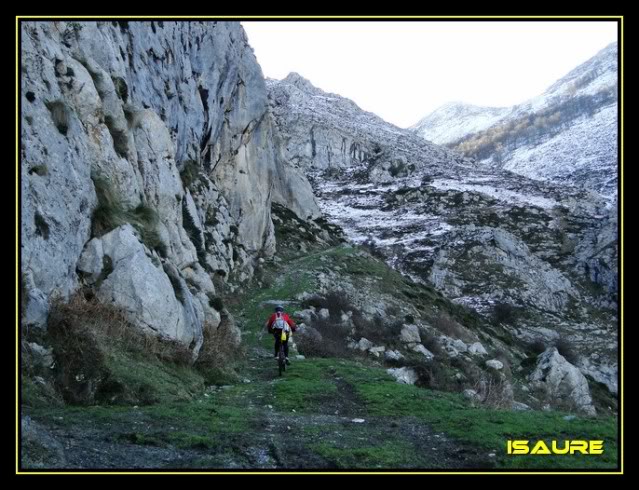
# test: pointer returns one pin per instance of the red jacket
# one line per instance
(271, 320)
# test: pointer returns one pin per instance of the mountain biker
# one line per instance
(276, 322)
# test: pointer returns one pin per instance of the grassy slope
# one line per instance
(382, 396)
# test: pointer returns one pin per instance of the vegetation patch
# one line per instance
(101, 357)
(42, 228)
(217, 357)
(111, 212)
(488, 428)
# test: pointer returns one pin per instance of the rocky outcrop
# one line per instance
(521, 275)
(149, 165)
(326, 132)
(562, 382)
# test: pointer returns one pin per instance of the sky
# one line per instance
(402, 71)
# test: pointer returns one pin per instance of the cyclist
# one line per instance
(276, 322)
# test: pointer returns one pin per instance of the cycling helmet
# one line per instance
(279, 308)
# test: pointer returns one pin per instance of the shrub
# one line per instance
(494, 391)
(379, 330)
(217, 355)
(121, 88)
(431, 343)
(536, 346)
(505, 313)
(397, 168)
(215, 302)
(331, 342)
(42, 228)
(567, 350)
(433, 375)
(190, 173)
(448, 326)
(335, 302)
(40, 170)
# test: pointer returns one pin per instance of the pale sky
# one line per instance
(402, 71)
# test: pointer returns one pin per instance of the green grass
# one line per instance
(487, 428)
(390, 454)
(225, 412)
(148, 380)
(184, 417)
(311, 382)
(250, 309)
(304, 387)
(184, 424)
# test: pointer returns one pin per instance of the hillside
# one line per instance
(566, 135)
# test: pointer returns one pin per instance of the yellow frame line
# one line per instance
(17, 453)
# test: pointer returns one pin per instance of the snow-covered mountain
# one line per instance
(482, 236)
(454, 120)
(567, 135)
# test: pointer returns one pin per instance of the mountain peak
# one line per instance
(300, 82)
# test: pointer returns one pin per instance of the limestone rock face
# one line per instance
(149, 165)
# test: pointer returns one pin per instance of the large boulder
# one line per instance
(562, 381)
(423, 350)
(495, 364)
(477, 349)
(127, 275)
